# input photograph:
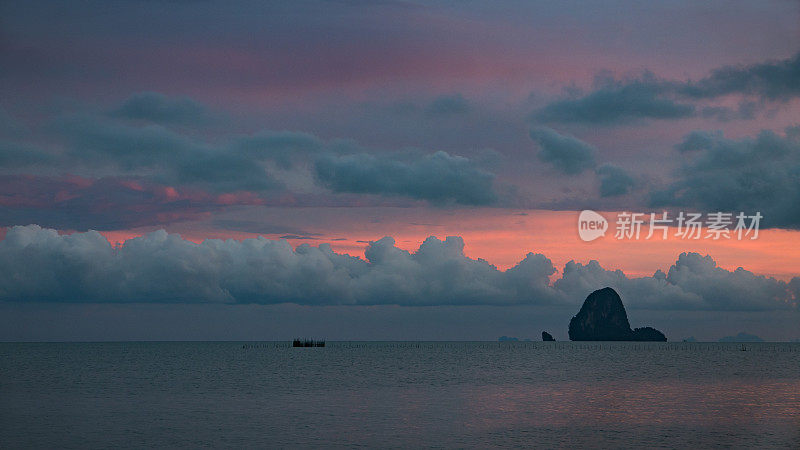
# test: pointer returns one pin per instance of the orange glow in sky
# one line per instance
(504, 237)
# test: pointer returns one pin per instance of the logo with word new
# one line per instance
(686, 225)
(591, 225)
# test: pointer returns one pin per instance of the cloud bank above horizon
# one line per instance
(41, 265)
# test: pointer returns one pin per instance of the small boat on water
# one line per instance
(308, 343)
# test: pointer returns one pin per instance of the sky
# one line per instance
(393, 170)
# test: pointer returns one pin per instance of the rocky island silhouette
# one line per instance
(603, 318)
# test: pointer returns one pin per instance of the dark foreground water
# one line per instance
(399, 395)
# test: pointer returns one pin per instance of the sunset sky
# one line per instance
(392, 169)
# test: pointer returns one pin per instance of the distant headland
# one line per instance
(603, 318)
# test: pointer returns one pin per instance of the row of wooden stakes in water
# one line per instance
(551, 346)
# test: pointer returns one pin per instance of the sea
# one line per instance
(399, 395)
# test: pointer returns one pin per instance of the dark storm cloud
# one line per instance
(566, 153)
(438, 177)
(110, 146)
(769, 80)
(96, 141)
(170, 157)
(40, 265)
(752, 174)
(648, 97)
(615, 102)
(614, 180)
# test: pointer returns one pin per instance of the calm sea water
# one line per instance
(399, 395)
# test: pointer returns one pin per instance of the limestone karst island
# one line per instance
(603, 318)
